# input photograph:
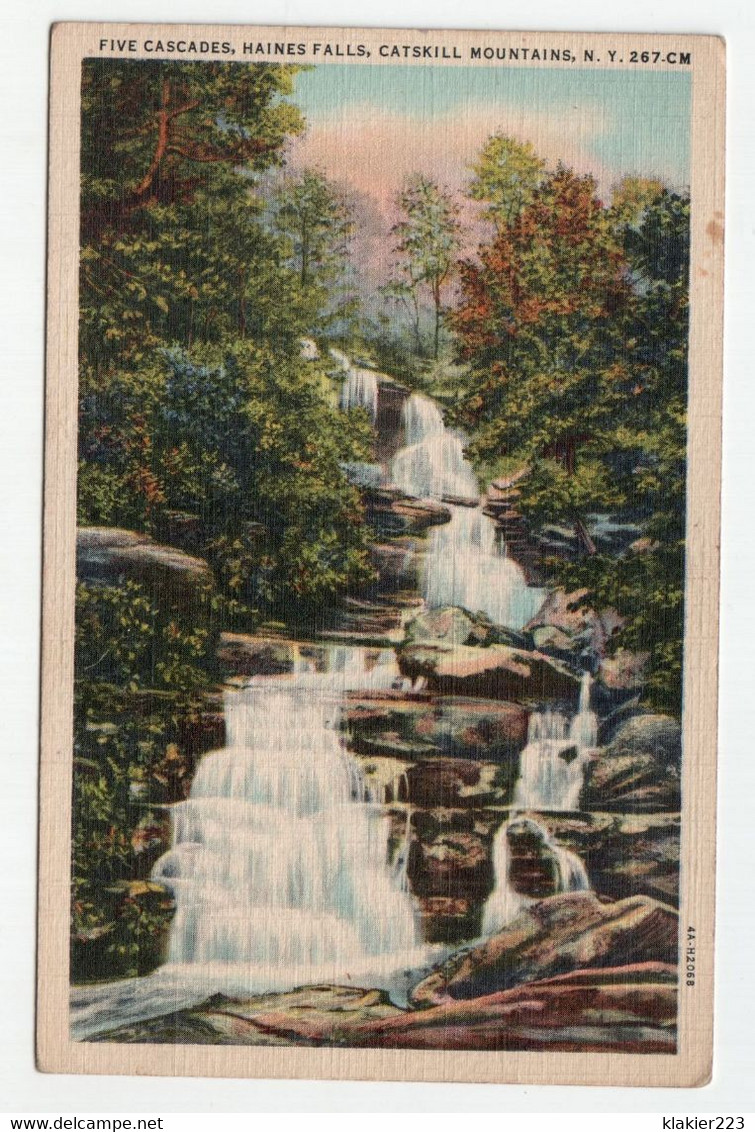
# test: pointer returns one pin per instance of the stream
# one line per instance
(285, 866)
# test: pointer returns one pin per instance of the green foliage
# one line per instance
(316, 222)
(128, 762)
(427, 241)
(194, 396)
(506, 176)
(124, 637)
(573, 325)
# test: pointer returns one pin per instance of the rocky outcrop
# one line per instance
(173, 579)
(272, 1019)
(630, 1009)
(241, 654)
(497, 672)
(534, 868)
(390, 512)
(451, 626)
(457, 783)
(569, 932)
(639, 768)
(624, 854)
(566, 623)
(403, 725)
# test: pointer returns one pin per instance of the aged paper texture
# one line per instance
(381, 554)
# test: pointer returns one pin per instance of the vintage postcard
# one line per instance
(381, 554)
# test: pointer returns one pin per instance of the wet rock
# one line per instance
(458, 782)
(240, 654)
(411, 725)
(624, 854)
(173, 579)
(454, 864)
(390, 512)
(568, 932)
(272, 1019)
(449, 919)
(533, 865)
(497, 672)
(451, 626)
(629, 1009)
(397, 565)
(201, 731)
(639, 769)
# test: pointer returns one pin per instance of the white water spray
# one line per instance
(279, 868)
(360, 387)
(551, 775)
(467, 565)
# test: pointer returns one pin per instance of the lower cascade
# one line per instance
(550, 779)
(278, 862)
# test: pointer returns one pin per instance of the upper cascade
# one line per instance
(431, 464)
(360, 390)
(421, 419)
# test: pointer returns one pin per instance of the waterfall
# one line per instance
(504, 903)
(467, 565)
(584, 727)
(551, 772)
(551, 766)
(431, 464)
(421, 419)
(360, 387)
(466, 562)
(279, 868)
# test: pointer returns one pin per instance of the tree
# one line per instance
(506, 175)
(534, 326)
(314, 218)
(573, 325)
(191, 318)
(428, 238)
(162, 148)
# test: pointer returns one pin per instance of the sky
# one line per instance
(373, 126)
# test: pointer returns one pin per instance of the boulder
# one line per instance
(498, 672)
(241, 654)
(639, 769)
(587, 630)
(173, 579)
(625, 671)
(452, 626)
(390, 512)
(410, 724)
(563, 933)
(630, 1009)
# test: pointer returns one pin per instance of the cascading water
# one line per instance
(360, 387)
(467, 565)
(550, 778)
(431, 464)
(278, 865)
(552, 764)
(466, 562)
